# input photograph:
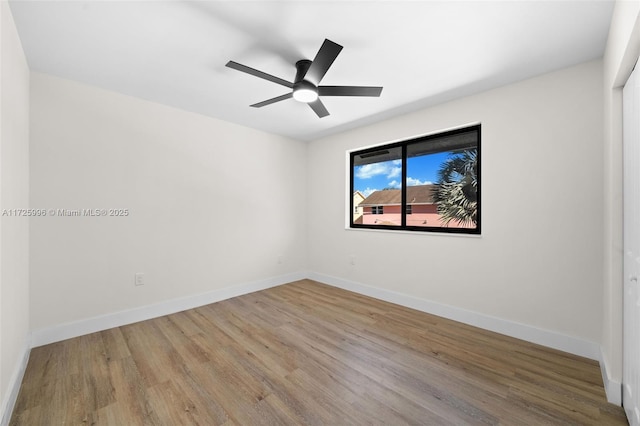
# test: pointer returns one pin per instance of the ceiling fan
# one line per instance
(306, 86)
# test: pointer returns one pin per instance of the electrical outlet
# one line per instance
(139, 279)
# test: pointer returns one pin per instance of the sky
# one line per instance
(421, 170)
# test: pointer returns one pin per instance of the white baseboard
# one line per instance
(529, 333)
(612, 388)
(117, 319)
(9, 401)
(532, 334)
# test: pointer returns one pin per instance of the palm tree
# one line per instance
(457, 192)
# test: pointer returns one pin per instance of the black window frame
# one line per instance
(403, 207)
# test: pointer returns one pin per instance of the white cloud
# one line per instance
(390, 169)
(414, 182)
(370, 170)
(410, 182)
(368, 192)
(394, 172)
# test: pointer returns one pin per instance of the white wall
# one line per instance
(212, 204)
(623, 48)
(14, 188)
(539, 259)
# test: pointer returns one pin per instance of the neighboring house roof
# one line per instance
(419, 194)
(359, 194)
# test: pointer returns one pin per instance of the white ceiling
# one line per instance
(422, 52)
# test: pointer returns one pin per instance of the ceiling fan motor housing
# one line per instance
(301, 66)
(303, 90)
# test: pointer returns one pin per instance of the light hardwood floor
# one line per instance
(307, 353)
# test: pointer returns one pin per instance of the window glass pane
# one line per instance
(377, 184)
(442, 183)
(429, 183)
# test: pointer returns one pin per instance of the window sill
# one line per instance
(407, 232)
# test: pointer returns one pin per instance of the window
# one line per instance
(430, 183)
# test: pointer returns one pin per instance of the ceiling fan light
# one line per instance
(305, 95)
(304, 91)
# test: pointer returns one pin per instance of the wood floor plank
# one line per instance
(307, 353)
(131, 393)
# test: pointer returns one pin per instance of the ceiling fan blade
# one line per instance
(323, 60)
(318, 107)
(260, 74)
(349, 91)
(272, 100)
